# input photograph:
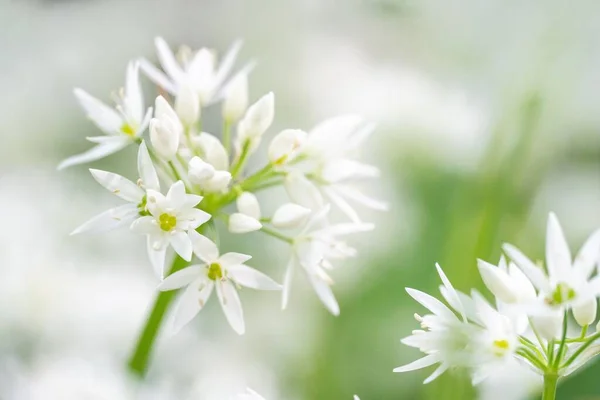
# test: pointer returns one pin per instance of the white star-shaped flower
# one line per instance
(134, 194)
(121, 126)
(197, 70)
(567, 283)
(314, 248)
(222, 272)
(170, 219)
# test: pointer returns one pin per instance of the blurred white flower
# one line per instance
(249, 395)
(170, 219)
(256, 121)
(197, 70)
(286, 145)
(235, 102)
(165, 129)
(121, 127)
(220, 271)
(133, 193)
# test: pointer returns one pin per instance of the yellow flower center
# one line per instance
(500, 347)
(167, 222)
(128, 129)
(215, 272)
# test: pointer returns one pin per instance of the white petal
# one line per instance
(213, 150)
(249, 277)
(176, 196)
(167, 60)
(344, 169)
(109, 220)
(451, 292)
(588, 256)
(431, 303)
(133, 100)
(96, 152)
(497, 281)
(341, 203)
(439, 371)
(157, 76)
(361, 198)
(192, 218)
(191, 302)
(145, 225)
(235, 102)
(418, 364)
(287, 283)
(157, 257)
(164, 137)
(290, 216)
(585, 313)
(204, 248)
(558, 255)
(199, 171)
(118, 185)
(218, 183)
(346, 229)
(325, 294)
(285, 144)
(146, 169)
(241, 223)
(331, 136)
(105, 117)
(232, 307)
(533, 272)
(227, 62)
(259, 117)
(232, 259)
(548, 327)
(302, 191)
(247, 204)
(181, 278)
(182, 245)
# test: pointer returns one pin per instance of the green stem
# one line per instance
(138, 363)
(590, 340)
(277, 235)
(561, 348)
(550, 383)
(239, 165)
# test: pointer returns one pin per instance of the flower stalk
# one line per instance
(550, 384)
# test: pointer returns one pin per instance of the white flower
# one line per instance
(133, 193)
(249, 395)
(223, 272)
(198, 71)
(247, 219)
(286, 145)
(328, 155)
(199, 171)
(212, 150)
(255, 123)
(314, 248)
(236, 97)
(471, 334)
(568, 283)
(165, 129)
(290, 216)
(121, 126)
(172, 218)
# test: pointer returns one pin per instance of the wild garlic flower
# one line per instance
(222, 272)
(121, 126)
(528, 322)
(190, 179)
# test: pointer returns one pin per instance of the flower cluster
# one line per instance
(529, 321)
(189, 178)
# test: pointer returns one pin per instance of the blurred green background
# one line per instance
(488, 118)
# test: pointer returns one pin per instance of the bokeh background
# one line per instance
(488, 118)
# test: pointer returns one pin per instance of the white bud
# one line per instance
(187, 105)
(164, 137)
(199, 171)
(236, 97)
(247, 204)
(497, 281)
(290, 216)
(218, 183)
(163, 109)
(257, 120)
(242, 223)
(585, 313)
(285, 144)
(212, 149)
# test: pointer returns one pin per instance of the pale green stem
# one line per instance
(550, 383)
(277, 235)
(239, 165)
(562, 348)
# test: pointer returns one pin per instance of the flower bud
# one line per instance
(257, 120)
(187, 105)
(247, 204)
(200, 171)
(213, 150)
(290, 216)
(497, 281)
(236, 97)
(163, 109)
(164, 137)
(242, 223)
(585, 313)
(218, 183)
(285, 144)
